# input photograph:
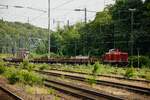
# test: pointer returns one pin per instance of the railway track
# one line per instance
(8, 95)
(109, 76)
(84, 93)
(136, 89)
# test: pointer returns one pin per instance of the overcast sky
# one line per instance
(61, 10)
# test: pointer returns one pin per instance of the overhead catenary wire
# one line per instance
(19, 6)
(67, 2)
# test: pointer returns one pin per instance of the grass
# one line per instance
(91, 80)
(130, 72)
(43, 66)
(5, 55)
(15, 75)
(30, 81)
(98, 69)
(2, 68)
(39, 90)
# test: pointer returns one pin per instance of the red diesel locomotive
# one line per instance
(114, 56)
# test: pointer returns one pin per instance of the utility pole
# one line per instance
(49, 42)
(28, 45)
(113, 35)
(131, 36)
(138, 51)
(85, 19)
(28, 21)
(68, 23)
(85, 15)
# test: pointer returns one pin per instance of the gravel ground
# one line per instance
(20, 91)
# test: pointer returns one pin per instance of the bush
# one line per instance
(143, 61)
(1, 64)
(130, 72)
(2, 69)
(91, 80)
(30, 67)
(24, 76)
(96, 69)
(44, 66)
(30, 77)
(9, 71)
(25, 63)
(12, 75)
(13, 78)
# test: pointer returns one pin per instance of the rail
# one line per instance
(136, 89)
(82, 92)
(109, 76)
(11, 94)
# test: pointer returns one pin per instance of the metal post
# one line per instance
(85, 15)
(68, 23)
(138, 50)
(114, 35)
(28, 20)
(132, 36)
(49, 28)
(85, 20)
(75, 48)
(132, 41)
(85, 10)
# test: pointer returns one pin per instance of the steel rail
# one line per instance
(84, 93)
(109, 76)
(13, 95)
(136, 89)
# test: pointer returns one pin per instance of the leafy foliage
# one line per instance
(19, 35)
(91, 80)
(15, 75)
(144, 61)
(130, 72)
(2, 69)
(96, 69)
(44, 66)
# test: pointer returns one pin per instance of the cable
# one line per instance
(69, 1)
(17, 6)
(36, 9)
